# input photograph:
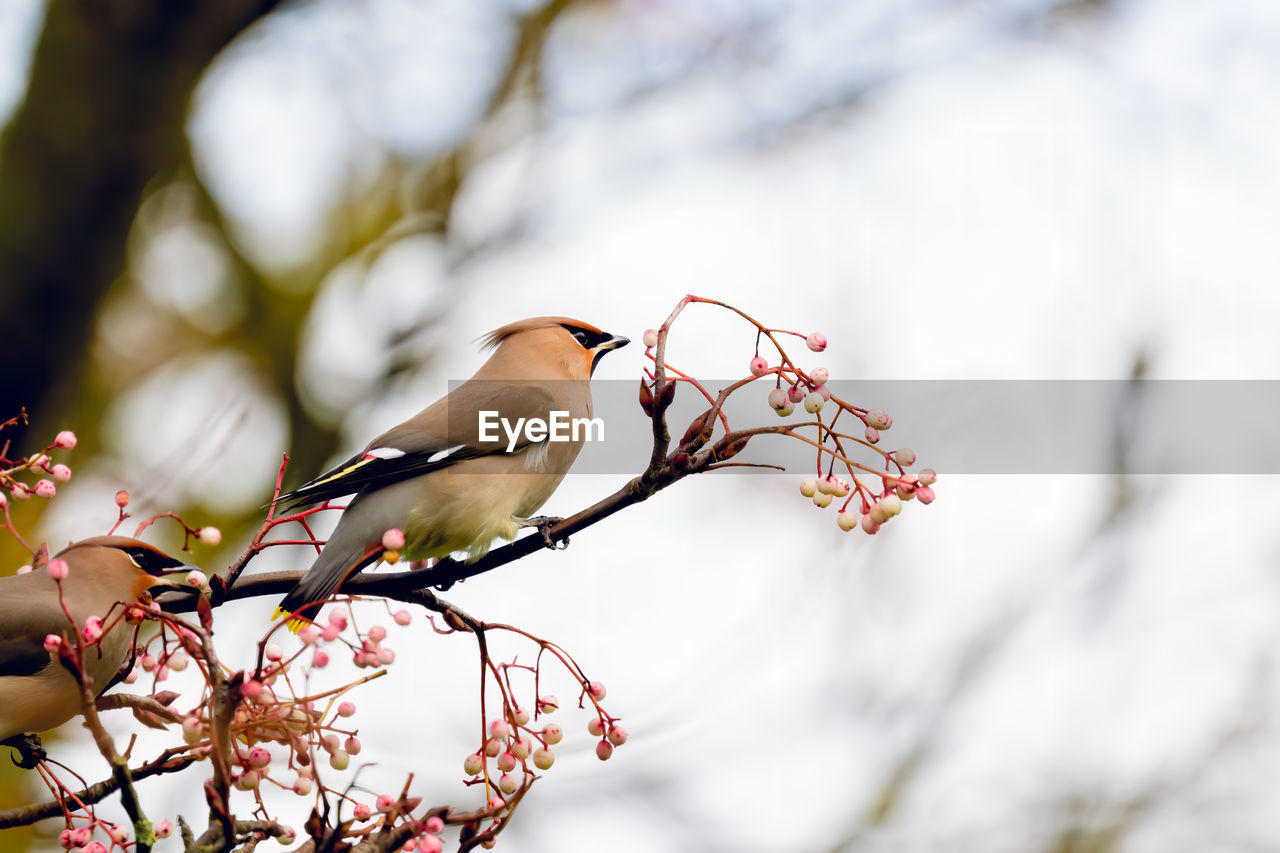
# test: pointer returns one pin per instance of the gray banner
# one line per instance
(986, 427)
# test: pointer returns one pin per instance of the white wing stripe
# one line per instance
(443, 454)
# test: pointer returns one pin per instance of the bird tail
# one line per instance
(326, 576)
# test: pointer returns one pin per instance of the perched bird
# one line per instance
(36, 692)
(449, 484)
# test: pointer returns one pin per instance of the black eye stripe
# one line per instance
(150, 561)
(586, 338)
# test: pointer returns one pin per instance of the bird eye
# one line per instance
(580, 337)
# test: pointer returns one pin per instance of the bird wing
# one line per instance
(416, 447)
(25, 624)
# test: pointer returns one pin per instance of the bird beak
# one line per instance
(616, 342)
(175, 577)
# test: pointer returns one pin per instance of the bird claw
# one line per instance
(544, 523)
(29, 747)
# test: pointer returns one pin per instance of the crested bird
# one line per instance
(445, 480)
(36, 692)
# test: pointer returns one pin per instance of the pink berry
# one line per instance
(473, 764)
(66, 439)
(309, 634)
(521, 716)
(507, 784)
(52, 642)
(61, 473)
(522, 748)
(22, 570)
(122, 501)
(822, 500)
(118, 834)
(552, 734)
(869, 524)
(197, 579)
(890, 504)
(809, 487)
(20, 491)
(81, 835)
(879, 419)
(385, 803)
(927, 477)
(352, 745)
(819, 375)
(873, 434)
(337, 617)
(3, 501)
(435, 825)
(92, 630)
(506, 763)
(596, 689)
(847, 520)
(57, 569)
(403, 617)
(499, 729)
(905, 456)
(386, 656)
(795, 394)
(361, 812)
(824, 391)
(259, 757)
(759, 367)
(64, 839)
(650, 338)
(493, 747)
(330, 633)
(393, 539)
(95, 847)
(302, 786)
(429, 843)
(377, 633)
(816, 342)
(785, 409)
(346, 709)
(778, 398)
(813, 402)
(604, 749)
(595, 727)
(617, 735)
(339, 760)
(210, 536)
(320, 659)
(163, 829)
(925, 494)
(273, 652)
(543, 759)
(548, 703)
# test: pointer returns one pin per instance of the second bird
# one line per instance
(442, 480)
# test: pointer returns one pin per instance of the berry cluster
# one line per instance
(870, 495)
(15, 475)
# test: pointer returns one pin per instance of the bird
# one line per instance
(445, 482)
(36, 692)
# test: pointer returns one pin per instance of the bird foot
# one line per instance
(29, 747)
(544, 523)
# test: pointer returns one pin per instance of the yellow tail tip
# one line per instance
(294, 623)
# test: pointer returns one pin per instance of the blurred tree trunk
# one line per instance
(103, 116)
